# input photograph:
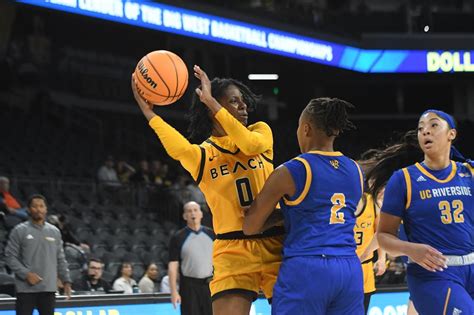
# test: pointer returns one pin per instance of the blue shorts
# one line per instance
(448, 292)
(319, 285)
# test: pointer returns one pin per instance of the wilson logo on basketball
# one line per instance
(144, 72)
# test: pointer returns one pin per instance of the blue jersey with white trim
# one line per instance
(436, 206)
(320, 216)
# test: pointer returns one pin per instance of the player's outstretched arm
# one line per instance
(177, 146)
(279, 184)
(255, 140)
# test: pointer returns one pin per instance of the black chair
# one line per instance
(75, 274)
(165, 258)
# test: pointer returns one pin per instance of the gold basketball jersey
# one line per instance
(364, 229)
(230, 180)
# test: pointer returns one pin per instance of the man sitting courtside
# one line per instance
(92, 281)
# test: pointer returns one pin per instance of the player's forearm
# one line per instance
(373, 245)
(177, 146)
(392, 244)
(258, 213)
(382, 254)
(249, 142)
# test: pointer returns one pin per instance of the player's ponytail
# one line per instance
(200, 126)
(330, 115)
(382, 163)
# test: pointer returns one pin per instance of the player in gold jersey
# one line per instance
(364, 234)
(230, 167)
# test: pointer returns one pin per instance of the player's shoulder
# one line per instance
(298, 160)
(408, 168)
(465, 168)
(206, 144)
(467, 165)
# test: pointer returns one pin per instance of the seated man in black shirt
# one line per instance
(92, 281)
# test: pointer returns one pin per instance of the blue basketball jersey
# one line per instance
(320, 216)
(436, 206)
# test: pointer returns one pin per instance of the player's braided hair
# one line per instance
(383, 163)
(330, 115)
(200, 126)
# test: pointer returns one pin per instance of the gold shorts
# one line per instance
(369, 277)
(246, 265)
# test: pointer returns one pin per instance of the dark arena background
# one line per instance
(66, 110)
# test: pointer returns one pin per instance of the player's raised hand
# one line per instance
(204, 92)
(427, 257)
(140, 100)
(147, 108)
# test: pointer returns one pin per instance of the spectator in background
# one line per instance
(179, 189)
(109, 183)
(107, 175)
(92, 281)
(165, 285)
(124, 281)
(143, 175)
(66, 232)
(8, 204)
(159, 173)
(164, 175)
(148, 283)
(155, 170)
(35, 255)
(124, 171)
(191, 257)
(195, 193)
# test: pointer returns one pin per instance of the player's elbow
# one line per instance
(381, 238)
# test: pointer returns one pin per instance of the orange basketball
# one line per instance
(161, 77)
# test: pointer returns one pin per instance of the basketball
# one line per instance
(161, 77)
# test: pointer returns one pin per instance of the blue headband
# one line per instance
(446, 117)
(455, 154)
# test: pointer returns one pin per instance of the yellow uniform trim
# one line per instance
(408, 182)
(442, 181)
(447, 301)
(303, 194)
(327, 153)
(469, 167)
